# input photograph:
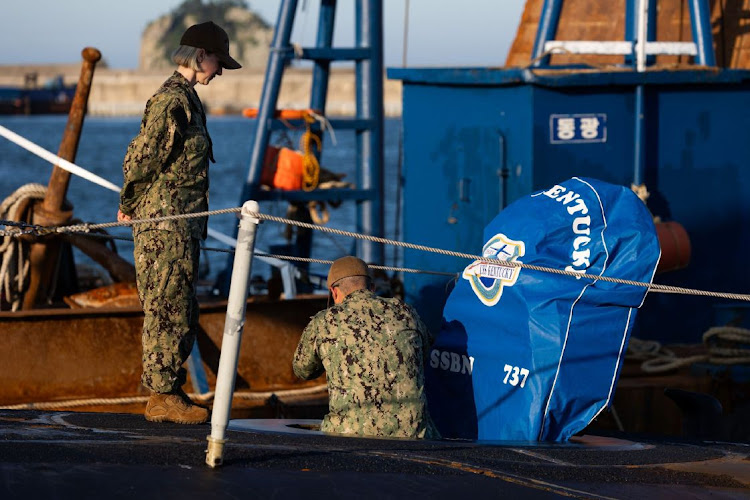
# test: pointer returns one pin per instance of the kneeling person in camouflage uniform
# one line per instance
(372, 350)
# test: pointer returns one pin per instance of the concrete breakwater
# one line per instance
(125, 92)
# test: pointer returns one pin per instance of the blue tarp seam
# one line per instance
(572, 307)
(614, 374)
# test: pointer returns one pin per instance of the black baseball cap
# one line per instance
(212, 38)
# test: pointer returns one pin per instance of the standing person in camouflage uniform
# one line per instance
(166, 173)
(372, 350)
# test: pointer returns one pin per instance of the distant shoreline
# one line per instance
(124, 92)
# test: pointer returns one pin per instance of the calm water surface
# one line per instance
(102, 147)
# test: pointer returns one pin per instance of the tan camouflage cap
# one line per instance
(346, 267)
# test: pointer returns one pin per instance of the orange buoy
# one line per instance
(283, 114)
(289, 170)
(283, 169)
(675, 246)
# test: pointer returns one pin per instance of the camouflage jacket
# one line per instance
(373, 352)
(166, 164)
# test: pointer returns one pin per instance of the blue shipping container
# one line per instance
(477, 139)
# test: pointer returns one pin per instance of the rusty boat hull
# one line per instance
(89, 359)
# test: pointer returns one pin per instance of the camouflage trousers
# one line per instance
(166, 265)
(405, 419)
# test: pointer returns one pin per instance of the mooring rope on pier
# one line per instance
(722, 345)
(651, 287)
(201, 398)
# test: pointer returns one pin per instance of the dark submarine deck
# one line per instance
(96, 455)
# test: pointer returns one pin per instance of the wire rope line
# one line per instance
(653, 287)
(371, 266)
(62, 163)
(88, 227)
(650, 286)
(31, 229)
(291, 258)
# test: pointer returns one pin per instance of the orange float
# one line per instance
(282, 114)
(675, 246)
(283, 169)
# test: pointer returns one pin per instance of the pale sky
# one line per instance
(441, 32)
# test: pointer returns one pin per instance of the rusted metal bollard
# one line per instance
(51, 211)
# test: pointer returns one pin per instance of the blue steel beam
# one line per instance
(651, 28)
(321, 71)
(337, 54)
(631, 27)
(515, 76)
(368, 124)
(369, 73)
(278, 58)
(700, 22)
(546, 31)
(280, 53)
(639, 144)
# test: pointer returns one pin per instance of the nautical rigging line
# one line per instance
(652, 287)
(85, 228)
(73, 168)
(56, 160)
(30, 229)
(206, 397)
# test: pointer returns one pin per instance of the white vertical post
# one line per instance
(640, 57)
(235, 321)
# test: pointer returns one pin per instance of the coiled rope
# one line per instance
(724, 345)
(728, 344)
(15, 263)
(201, 398)
(310, 165)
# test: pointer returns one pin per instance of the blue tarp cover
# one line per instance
(528, 355)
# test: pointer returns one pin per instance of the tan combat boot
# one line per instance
(172, 407)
